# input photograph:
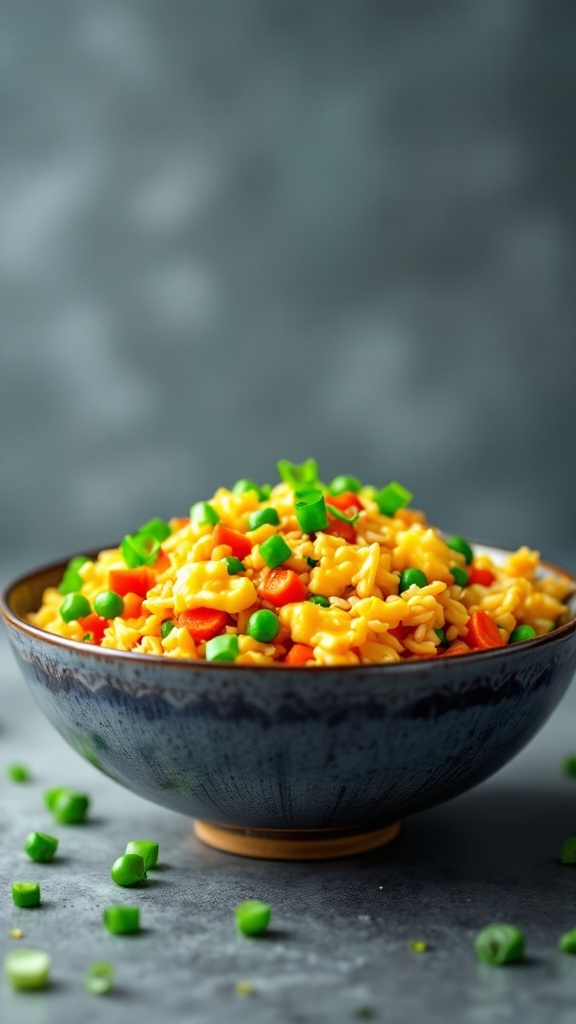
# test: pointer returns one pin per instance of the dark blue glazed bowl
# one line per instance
(290, 761)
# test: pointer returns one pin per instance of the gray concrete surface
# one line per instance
(341, 930)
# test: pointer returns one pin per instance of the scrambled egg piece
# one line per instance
(343, 565)
(208, 585)
(331, 629)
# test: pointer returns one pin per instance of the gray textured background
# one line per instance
(235, 231)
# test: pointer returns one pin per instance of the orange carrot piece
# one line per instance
(299, 654)
(458, 647)
(162, 563)
(338, 528)
(483, 631)
(346, 502)
(282, 586)
(202, 623)
(94, 624)
(132, 606)
(482, 576)
(238, 542)
(135, 581)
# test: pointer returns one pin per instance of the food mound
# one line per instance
(302, 574)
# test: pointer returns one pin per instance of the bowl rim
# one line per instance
(110, 653)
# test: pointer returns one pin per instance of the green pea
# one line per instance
(74, 606)
(411, 577)
(71, 582)
(523, 632)
(320, 600)
(499, 944)
(204, 514)
(166, 628)
(461, 545)
(243, 486)
(108, 604)
(263, 626)
(568, 851)
(441, 636)
(460, 576)
(567, 942)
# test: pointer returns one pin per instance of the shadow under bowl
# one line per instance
(291, 762)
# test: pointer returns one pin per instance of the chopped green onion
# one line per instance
(263, 626)
(441, 636)
(26, 894)
(18, 773)
(74, 606)
(311, 512)
(419, 946)
(204, 514)
(128, 869)
(139, 549)
(122, 920)
(243, 486)
(568, 851)
(27, 968)
(461, 545)
(567, 942)
(343, 483)
(156, 528)
(320, 600)
(569, 765)
(312, 562)
(77, 562)
(523, 632)
(145, 848)
(291, 473)
(108, 604)
(460, 576)
(71, 582)
(275, 551)
(234, 565)
(252, 917)
(99, 978)
(337, 513)
(409, 577)
(499, 944)
(166, 628)
(222, 648)
(265, 491)
(68, 807)
(392, 497)
(262, 516)
(40, 847)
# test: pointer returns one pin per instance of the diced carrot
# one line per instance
(399, 631)
(135, 581)
(238, 542)
(299, 654)
(162, 563)
(482, 576)
(132, 606)
(458, 647)
(94, 624)
(282, 586)
(483, 631)
(338, 528)
(202, 623)
(346, 500)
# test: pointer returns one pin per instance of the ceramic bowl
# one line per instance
(291, 762)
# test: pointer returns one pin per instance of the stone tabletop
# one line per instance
(339, 948)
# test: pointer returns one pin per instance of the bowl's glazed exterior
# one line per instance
(349, 749)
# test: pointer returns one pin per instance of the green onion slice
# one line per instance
(296, 475)
(392, 497)
(139, 549)
(99, 978)
(338, 514)
(27, 968)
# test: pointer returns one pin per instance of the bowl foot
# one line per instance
(293, 844)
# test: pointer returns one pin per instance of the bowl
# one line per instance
(291, 762)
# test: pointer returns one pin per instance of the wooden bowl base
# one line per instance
(293, 844)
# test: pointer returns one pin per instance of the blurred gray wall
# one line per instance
(233, 231)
